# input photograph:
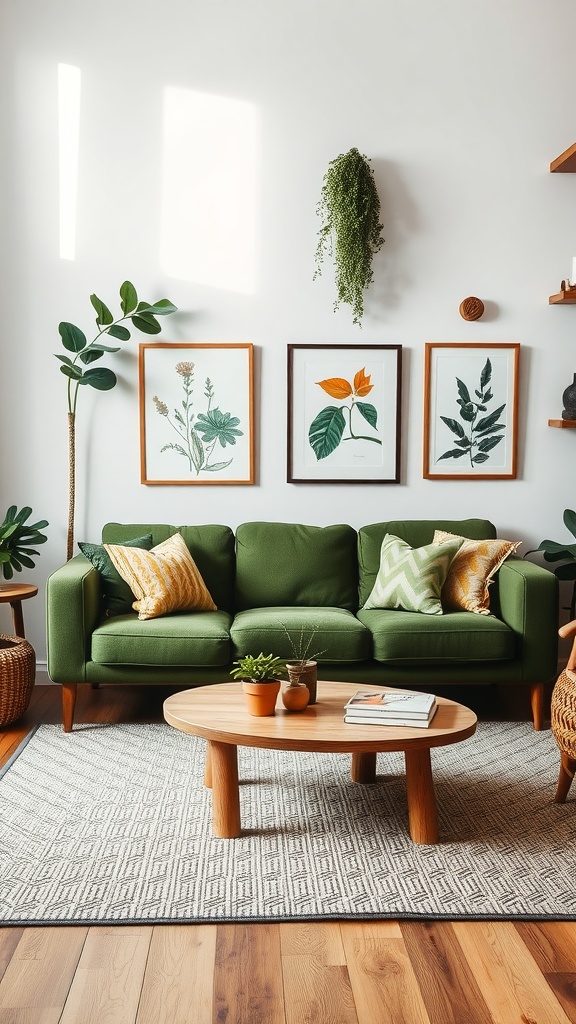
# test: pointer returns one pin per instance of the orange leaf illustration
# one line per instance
(336, 387)
(362, 385)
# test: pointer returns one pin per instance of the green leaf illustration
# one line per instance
(326, 431)
(463, 391)
(486, 374)
(369, 412)
(488, 421)
(456, 453)
(453, 425)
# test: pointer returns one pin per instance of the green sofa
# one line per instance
(270, 575)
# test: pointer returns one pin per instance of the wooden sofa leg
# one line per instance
(537, 704)
(68, 704)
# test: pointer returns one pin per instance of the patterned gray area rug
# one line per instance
(112, 824)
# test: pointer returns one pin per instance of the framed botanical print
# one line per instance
(196, 414)
(344, 413)
(471, 411)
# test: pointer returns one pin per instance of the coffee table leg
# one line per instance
(422, 814)
(208, 768)
(223, 761)
(364, 767)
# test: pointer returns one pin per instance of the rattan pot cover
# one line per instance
(17, 673)
(563, 713)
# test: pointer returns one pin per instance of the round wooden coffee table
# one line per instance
(218, 713)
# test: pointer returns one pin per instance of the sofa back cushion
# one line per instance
(416, 533)
(292, 564)
(211, 547)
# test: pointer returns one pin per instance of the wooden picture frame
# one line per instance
(196, 413)
(471, 411)
(344, 413)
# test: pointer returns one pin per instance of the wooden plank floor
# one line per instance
(402, 972)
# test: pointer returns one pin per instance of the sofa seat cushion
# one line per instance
(189, 639)
(340, 636)
(455, 636)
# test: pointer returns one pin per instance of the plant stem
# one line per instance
(71, 483)
(357, 437)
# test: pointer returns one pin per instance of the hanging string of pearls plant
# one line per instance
(351, 230)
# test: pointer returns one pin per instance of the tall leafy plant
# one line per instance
(77, 366)
(351, 230)
(554, 551)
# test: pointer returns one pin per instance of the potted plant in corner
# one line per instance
(302, 666)
(260, 677)
(16, 539)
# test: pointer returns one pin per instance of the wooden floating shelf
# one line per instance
(566, 162)
(566, 298)
(563, 424)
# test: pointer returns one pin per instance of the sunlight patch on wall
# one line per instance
(68, 143)
(209, 190)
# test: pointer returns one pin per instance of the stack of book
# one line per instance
(412, 709)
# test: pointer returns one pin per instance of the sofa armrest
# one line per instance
(72, 613)
(528, 598)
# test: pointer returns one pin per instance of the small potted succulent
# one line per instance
(260, 677)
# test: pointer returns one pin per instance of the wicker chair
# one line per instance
(563, 716)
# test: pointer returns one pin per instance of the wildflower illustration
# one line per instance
(327, 429)
(201, 432)
(475, 437)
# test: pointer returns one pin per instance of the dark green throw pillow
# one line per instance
(116, 594)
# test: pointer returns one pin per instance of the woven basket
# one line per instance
(17, 672)
(563, 713)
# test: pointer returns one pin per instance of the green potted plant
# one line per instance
(260, 677)
(351, 230)
(554, 551)
(16, 539)
(302, 667)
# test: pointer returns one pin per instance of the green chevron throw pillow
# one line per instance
(412, 578)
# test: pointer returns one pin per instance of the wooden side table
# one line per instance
(15, 593)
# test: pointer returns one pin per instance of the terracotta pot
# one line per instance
(295, 696)
(304, 673)
(261, 697)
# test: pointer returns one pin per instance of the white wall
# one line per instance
(460, 104)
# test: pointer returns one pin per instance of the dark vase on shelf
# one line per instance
(569, 399)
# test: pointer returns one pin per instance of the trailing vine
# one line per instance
(349, 206)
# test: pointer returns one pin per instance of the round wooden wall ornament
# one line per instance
(471, 308)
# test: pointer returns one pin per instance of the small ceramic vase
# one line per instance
(569, 399)
(304, 673)
(295, 696)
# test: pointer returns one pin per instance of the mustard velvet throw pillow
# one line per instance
(412, 578)
(163, 580)
(472, 571)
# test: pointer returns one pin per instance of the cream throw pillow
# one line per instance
(471, 572)
(163, 580)
(411, 578)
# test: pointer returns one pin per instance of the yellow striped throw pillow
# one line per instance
(472, 571)
(163, 580)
